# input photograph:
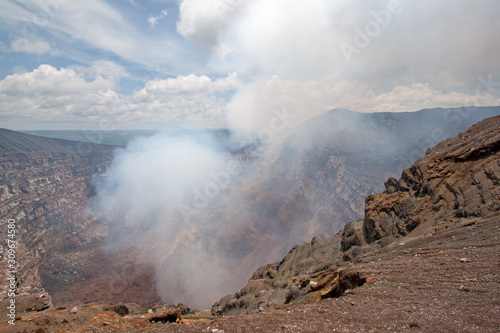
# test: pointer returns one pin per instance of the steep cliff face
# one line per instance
(456, 183)
(307, 183)
(456, 179)
(317, 177)
(44, 186)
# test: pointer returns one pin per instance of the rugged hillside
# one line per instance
(321, 173)
(456, 182)
(307, 183)
(423, 259)
(44, 187)
(311, 181)
(16, 142)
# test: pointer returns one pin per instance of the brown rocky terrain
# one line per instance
(43, 184)
(44, 187)
(455, 181)
(420, 286)
(423, 259)
(307, 184)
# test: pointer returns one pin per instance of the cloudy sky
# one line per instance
(157, 64)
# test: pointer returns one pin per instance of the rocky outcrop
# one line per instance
(352, 235)
(457, 180)
(389, 216)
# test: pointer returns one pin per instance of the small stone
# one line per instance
(463, 260)
(74, 310)
(150, 311)
(464, 288)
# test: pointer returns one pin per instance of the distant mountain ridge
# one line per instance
(17, 142)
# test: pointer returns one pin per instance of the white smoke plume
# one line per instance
(167, 197)
(189, 197)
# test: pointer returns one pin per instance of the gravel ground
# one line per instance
(444, 283)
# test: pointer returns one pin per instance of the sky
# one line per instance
(132, 64)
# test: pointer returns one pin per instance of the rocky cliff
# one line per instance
(455, 183)
(307, 183)
(424, 258)
(44, 186)
(321, 173)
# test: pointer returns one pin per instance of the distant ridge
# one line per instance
(16, 142)
(461, 118)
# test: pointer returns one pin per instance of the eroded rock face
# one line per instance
(290, 280)
(47, 186)
(352, 235)
(44, 186)
(456, 180)
(388, 215)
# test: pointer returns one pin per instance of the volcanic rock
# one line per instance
(454, 182)
(44, 187)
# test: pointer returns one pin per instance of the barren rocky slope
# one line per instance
(44, 184)
(309, 183)
(458, 179)
(44, 187)
(423, 259)
(444, 283)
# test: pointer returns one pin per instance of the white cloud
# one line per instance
(286, 54)
(202, 21)
(189, 98)
(191, 84)
(291, 52)
(255, 104)
(35, 46)
(416, 96)
(83, 96)
(108, 70)
(48, 95)
(153, 20)
(84, 27)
